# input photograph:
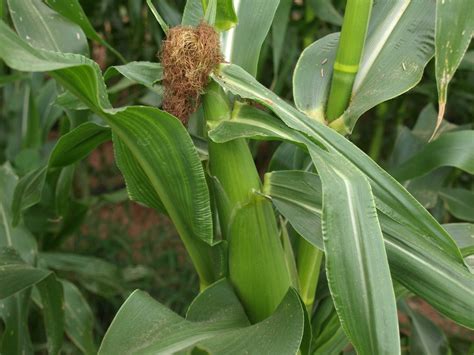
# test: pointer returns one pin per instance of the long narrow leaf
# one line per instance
(356, 264)
(454, 149)
(454, 31)
(44, 28)
(52, 306)
(78, 319)
(15, 274)
(72, 10)
(415, 261)
(144, 73)
(158, 141)
(242, 44)
(459, 202)
(391, 197)
(78, 143)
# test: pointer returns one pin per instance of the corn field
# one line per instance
(314, 159)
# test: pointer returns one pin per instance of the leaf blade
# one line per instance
(391, 197)
(358, 272)
(16, 275)
(454, 31)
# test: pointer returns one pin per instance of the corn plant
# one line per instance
(310, 256)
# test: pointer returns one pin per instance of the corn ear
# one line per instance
(257, 267)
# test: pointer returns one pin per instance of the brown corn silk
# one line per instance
(188, 56)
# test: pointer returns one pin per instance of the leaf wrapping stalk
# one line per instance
(309, 265)
(257, 267)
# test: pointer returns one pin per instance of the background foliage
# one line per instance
(79, 222)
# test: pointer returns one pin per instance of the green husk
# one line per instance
(257, 267)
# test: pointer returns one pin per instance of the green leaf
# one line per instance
(357, 202)
(279, 27)
(305, 346)
(459, 202)
(454, 149)
(426, 338)
(426, 188)
(44, 28)
(64, 190)
(193, 13)
(70, 148)
(328, 335)
(280, 333)
(49, 112)
(425, 124)
(225, 14)
(325, 10)
(14, 309)
(242, 44)
(135, 176)
(290, 191)
(28, 192)
(95, 274)
(215, 324)
(391, 197)
(358, 272)
(78, 319)
(454, 31)
(17, 237)
(72, 10)
(32, 128)
(428, 272)
(8, 180)
(8, 79)
(170, 13)
(393, 61)
(78, 144)
(463, 234)
(52, 306)
(15, 274)
(414, 261)
(312, 76)
(210, 9)
(290, 157)
(218, 302)
(16, 335)
(156, 14)
(412, 256)
(152, 135)
(409, 142)
(289, 256)
(164, 150)
(158, 141)
(144, 73)
(66, 100)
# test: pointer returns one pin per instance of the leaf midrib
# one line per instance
(48, 31)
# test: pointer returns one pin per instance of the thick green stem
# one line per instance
(257, 267)
(309, 264)
(349, 52)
